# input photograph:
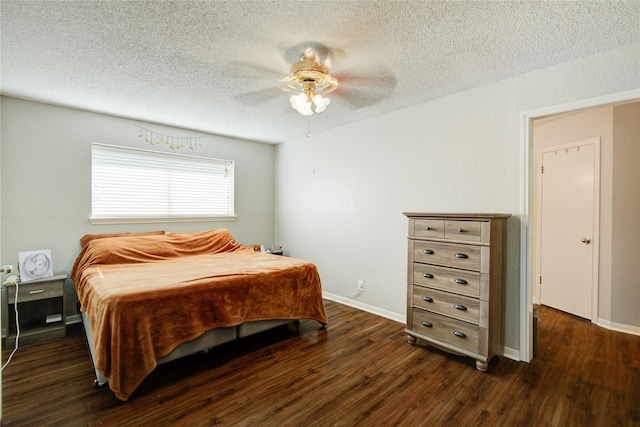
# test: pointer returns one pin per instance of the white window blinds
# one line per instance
(138, 184)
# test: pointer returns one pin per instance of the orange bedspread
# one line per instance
(145, 295)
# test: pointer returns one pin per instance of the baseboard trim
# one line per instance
(513, 354)
(365, 307)
(619, 327)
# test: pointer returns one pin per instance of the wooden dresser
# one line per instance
(455, 280)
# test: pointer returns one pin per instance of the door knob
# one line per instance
(586, 241)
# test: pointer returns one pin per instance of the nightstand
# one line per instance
(41, 308)
(275, 250)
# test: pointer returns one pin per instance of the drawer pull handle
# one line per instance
(428, 228)
(427, 324)
(427, 275)
(428, 252)
(459, 307)
(461, 282)
(39, 291)
(463, 256)
(462, 230)
(427, 299)
(459, 334)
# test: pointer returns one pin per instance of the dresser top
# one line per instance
(456, 215)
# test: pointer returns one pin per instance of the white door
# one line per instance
(568, 227)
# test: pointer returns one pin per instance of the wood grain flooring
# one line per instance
(360, 371)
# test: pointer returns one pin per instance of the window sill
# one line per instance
(155, 220)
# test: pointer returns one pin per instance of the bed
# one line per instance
(150, 298)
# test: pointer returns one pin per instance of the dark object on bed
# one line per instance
(144, 295)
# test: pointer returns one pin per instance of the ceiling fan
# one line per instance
(309, 77)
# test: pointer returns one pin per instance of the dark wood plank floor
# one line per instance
(359, 371)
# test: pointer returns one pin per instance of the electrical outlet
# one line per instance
(361, 285)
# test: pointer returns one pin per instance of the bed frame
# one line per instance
(204, 342)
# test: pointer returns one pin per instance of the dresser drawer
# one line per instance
(35, 291)
(469, 231)
(446, 329)
(447, 254)
(448, 279)
(453, 305)
(433, 228)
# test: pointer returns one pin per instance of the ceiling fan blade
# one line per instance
(324, 54)
(261, 96)
(380, 75)
(361, 98)
(251, 70)
(363, 90)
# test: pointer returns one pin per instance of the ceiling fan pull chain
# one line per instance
(308, 126)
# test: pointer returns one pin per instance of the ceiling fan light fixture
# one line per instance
(301, 104)
(313, 78)
(320, 102)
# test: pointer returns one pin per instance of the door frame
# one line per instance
(536, 226)
(526, 255)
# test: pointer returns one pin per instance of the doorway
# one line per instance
(528, 250)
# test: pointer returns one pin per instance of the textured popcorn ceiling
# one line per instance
(215, 66)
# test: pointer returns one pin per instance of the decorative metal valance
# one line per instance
(173, 142)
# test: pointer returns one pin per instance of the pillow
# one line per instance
(84, 240)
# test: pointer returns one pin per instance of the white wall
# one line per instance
(625, 292)
(46, 180)
(340, 194)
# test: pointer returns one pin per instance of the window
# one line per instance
(132, 185)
